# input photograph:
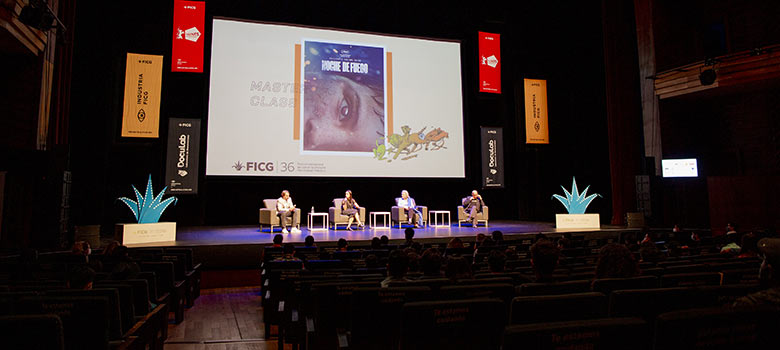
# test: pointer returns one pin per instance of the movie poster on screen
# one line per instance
(536, 126)
(143, 81)
(343, 94)
(489, 62)
(181, 169)
(492, 157)
(188, 29)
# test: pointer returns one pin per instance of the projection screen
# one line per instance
(298, 101)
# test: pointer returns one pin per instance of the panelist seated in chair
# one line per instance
(410, 208)
(473, 205)
(285, 208)
(350, 208)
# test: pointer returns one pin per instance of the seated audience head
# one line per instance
(278, 240)
(488, 242)
(81, 277)
(676, 228)
(455, 243)
(498, 236)
(564, 242)
(375, 243)
(458, 268)
(648, 252)
(384, 240)
(409, 234)
(540, 237)
(544, 259)
(511, 254)
(342, 244)
(480, 238)
(372, 261)
(430, 263)
(110, 247)
(81, 248)
(413, 260)
(309, 241)
(616, 261)
(397, 264)
(731, 228)
(288, 250)
(497, 261)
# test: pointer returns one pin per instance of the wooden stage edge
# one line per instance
(243, 235)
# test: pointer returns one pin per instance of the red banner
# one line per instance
(489, 62)
(187, 52)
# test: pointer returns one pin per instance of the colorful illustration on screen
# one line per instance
(408, 145)
(343, 97)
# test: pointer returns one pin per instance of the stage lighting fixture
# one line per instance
(708, 76)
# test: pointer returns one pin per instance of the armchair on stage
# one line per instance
(269, 216)
(398, 214)
(334, 214)
(481, 217)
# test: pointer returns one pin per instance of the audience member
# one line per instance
(544, 260)
(731, 248)
(676, 228)
(455, 243)
(616, 261)
(376, 243)
(648, 252)
(731, 229)
(124, 265)
(478, 241)
(372, 262)
(458, 268)
(384, 240)
(430, 264)
(409, 235)
(413, 260)
(498, 237)
(769, 276)
(81, 248)
(397, 266)
(277, 241)
(288, 253)
(81, 277)
(110, 247)
(308, 242)
(539, 237)
(749, 246)
(497, 261)
(565, 241)
(511, 254)
(342, 245)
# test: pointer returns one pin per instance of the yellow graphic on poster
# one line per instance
(143, 78)
(536, 130)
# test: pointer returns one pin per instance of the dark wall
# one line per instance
(562, 45)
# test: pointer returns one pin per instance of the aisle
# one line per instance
(222, 319)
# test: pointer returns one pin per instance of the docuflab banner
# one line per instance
(492, 157)
(181, 170)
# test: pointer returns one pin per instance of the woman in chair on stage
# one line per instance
(349, 207)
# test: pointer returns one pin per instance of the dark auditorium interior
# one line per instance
(688, 262)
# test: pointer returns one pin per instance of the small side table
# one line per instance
(386, 219)
(324, 226)
(439, 214)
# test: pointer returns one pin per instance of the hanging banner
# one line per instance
(492, 157)
(536, 111)
(181, 169)
(489, 62)
(187, 47)
(143, 78)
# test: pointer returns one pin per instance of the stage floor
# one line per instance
(242, 235)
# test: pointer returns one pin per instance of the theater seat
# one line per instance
(606, 333)
(555, 308)
(31, 332)
(718, 328)
(453, 324)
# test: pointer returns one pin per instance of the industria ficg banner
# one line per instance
(536, 111)
(181, 168)
(143, 79)
(492, 157)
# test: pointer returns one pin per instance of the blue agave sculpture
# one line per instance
(575, 202)
(147, 209)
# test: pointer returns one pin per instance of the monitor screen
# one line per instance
(680, 167)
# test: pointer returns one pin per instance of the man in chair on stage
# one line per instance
(286, 208)
(410, 208)
(472, 205)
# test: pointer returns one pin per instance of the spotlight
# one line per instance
(708, 76)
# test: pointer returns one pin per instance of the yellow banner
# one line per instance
(536, 111)
(143, 78)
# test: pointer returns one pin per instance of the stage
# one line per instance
(221, 247)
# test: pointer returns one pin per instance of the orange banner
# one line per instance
(536, 130)
(143, 81)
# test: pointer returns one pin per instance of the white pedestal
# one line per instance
(577, 221)
(324, 226)
(147, 233)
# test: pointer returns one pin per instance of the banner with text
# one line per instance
(143, 79)
(492, 157)
(536, 130)
(489, 62)
(181, 169)
(187, 47)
